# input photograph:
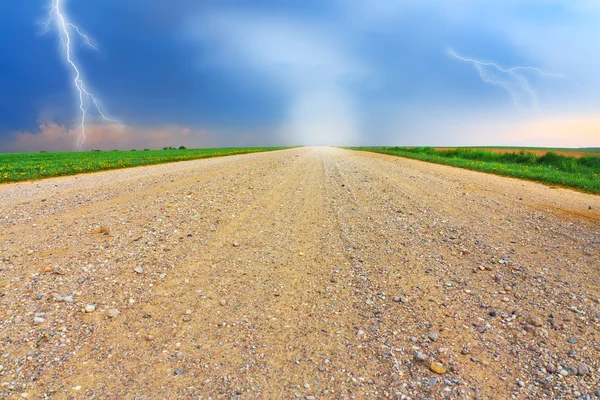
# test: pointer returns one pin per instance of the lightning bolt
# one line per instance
(66, 30)
(513, 80)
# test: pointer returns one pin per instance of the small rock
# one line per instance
(573, 340)
(30, 252)
(149, 338)
(77, 388)
(464, 352)
(139, 270)
(361, 332)
(38, 320)
(492, 313)
(551, 368)
(572, 370)
(521, 383)
(583, 369)
(536, 321)
(223, 302)
(437, 368)
(454, 368)
(186, 318)
(90, 308)
(396, 299)
(433, 336)
(178, 372)
(420, 356)
(113, 313)
(563, 372)
(236, 244)
(529, 328)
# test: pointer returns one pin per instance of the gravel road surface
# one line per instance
(309, 273)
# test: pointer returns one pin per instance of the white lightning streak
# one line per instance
(65, 29)
(511, 79)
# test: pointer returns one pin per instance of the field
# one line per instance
(538, 151)
(573, 168)
(29, 166)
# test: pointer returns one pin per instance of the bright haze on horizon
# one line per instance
(341, 72)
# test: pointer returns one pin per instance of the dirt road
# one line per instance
(309, 273)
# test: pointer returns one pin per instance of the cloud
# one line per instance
(445, 127)
(305, 60)
(54, 137)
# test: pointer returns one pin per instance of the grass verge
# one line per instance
(581, 173)
(29, 166)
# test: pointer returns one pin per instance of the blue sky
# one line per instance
(341, 72)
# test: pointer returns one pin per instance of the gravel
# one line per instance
(387, 229)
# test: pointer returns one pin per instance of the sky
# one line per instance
(214, 73)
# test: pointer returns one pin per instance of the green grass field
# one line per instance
(28, 166)
(581, 173)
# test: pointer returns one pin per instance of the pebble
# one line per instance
(563, 372)
(139, 270)
(178, 372)
(433, 337)
(236, 244)
(437, 368)
(361, 332)
(572, 370)
(223, 302)
(90, 308)
(186, 318)
(464, 352)
(38, 320)
(535, 320)
(396, 299)
(573, 340)
(420, 356)
(551, 368)
(113, 313)
(583, 369)
(492, 313)
(521, 383)
(30, 252)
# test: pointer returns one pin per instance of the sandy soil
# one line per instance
(311, 273)
(537, 152)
